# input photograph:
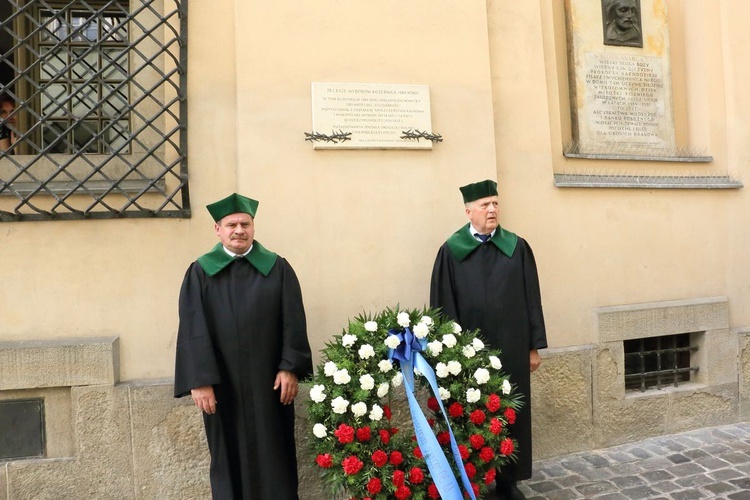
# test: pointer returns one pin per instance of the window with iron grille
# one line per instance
(656, 362)
(99, 128)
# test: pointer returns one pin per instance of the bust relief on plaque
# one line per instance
(622, 23)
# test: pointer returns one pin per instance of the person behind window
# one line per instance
(7, 122)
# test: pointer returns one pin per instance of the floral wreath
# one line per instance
(358, 450)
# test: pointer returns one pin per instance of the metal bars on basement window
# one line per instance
(656, 362)
(98, 120)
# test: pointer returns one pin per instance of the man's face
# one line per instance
(236, 232)
(625, 14)
(483, 214)
(6, 108)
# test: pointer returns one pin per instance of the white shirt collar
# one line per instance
(233, 255)
(474, 231)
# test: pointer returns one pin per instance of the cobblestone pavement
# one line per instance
(706, 463)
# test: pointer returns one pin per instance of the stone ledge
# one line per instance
(32, 364)
(646, 181)
(650, 319)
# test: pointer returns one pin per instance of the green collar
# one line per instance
(462, 243)
(217, 259)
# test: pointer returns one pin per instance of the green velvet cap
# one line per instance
(232, 204)
(479, 190)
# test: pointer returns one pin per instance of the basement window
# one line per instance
(657, 362)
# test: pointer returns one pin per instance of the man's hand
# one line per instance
(205, 399)
(534, 360)
(289, 386)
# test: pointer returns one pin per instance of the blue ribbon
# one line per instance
(408, 354)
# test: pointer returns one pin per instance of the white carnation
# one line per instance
(371, 326)
(320, 431)
(456, 328)
(359, 409)
(426, 320)
(441, 370)
(495, 362)
(397, 379)
(317, 394)
(330, 368)
(403, 319)
(477, 344)
(506, 386)
(445, 394)
(385, 365)
(348, 340)
(392, 341)
(366, 382)
(449, 340)
(454, 367)
(376, 413)
(468, 351)
(421, 330)
(342, 377)
(339, 405)
(482, 376)
(473, 395)
(383, 389)
(366, 351)
(435, 347)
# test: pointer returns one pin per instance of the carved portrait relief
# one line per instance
(622, 23)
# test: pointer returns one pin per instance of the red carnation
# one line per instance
(433, 492)
(455, 410)
(402, 492)
(345, 433)
(471, 471)
(387, 411)
(477, 417)
(416, 475)
(394, 430)
(493, 403)
(506, 447)
(475, 487)
(443, 437)
(510, 415)
(351, 465)
(385, 436)
(486, 454)
(418, 453)
(399, 477)
(363, 434)
(432, 404)
(496, 426)
(431, 421)
(463, 451)
(325, 460)
(476, 440)
(396, 457)
(374, 486)
(379, 458)
(489, 478)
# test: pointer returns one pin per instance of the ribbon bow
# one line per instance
(408, 343)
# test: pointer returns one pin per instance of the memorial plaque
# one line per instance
(621, 96)
(370, 115)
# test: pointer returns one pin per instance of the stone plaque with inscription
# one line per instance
(370, 115)
(621, 96)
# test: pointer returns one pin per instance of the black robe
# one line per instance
(494, 287)
(241, 321)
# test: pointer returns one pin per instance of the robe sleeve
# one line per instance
(295, 351)
(195, 363)
(537, 330)
(442, 293)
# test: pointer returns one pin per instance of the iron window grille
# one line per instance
(656, 362)
(100, 119)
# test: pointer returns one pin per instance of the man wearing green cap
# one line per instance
(485, 278)
(241, 349)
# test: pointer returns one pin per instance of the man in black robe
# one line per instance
(485, 278)
(241, 349)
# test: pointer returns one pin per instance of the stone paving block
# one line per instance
(572, 480)
(684, 470)
(688, 495)
(694, 481)
(576, 464)
(620, 456)
(695, 454)
(639, 492)
(612, 496)
(741, 495)
(595, 488)
(743, 483)
(597, 474)
(597, 460)
(656, 463)
(712, 463)
(678, 458)
(563, 495)
(719, 488)
(543, 487)
(716, 449)
(745, 468)
(554, 470)
(624, 482)
(665, 486)
(725, 474)
(736, 458)
(653, 476)
(626, 469)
